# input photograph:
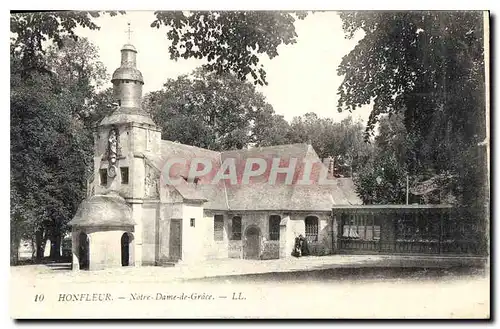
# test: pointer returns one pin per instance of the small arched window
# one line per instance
(312, 228)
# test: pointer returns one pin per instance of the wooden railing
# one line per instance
(410, 229)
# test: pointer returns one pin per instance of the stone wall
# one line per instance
(235, 249)
(149, 244)
(292, 225)
(270, 250)
(193, 233)
(296, 226)
(104, 247)
(213, 249)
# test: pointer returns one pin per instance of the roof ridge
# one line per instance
(189, 146)
(266, 148)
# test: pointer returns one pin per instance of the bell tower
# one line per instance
(127, 79)
(108, 226)
(126, 134)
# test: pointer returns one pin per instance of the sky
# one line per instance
(302, 78)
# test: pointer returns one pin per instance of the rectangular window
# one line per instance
(103, 173)
(312, 228)
(191, 222)
(124, 174)
(274, 227)
(218, 228)
(236, 228)
(362, 227)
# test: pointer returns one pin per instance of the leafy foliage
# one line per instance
(49, 149)
(99, 106)
(430, 67)
(51, 141)
(341, 140)
(33, 30)
(213, 111)
(269, 128)
(230, 41)
(382, 178)
(79, 72)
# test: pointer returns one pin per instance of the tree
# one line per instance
(79, 72)
(430, 67)
(217, 112)
(51, 144)
(230, 40)
(43, 179)
(341, 140)
(33, 30)
(382, 178)
(100, 105)
(268, 128)
(310, 128)
(393, 138)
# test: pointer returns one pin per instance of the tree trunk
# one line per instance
(15, 240)
(33, 249)
(40, 241)
(55, 250)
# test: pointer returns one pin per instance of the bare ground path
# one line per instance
(231, 267)
(337, 286)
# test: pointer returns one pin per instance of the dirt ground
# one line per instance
(333, 286)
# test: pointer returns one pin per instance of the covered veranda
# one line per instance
(409, 229)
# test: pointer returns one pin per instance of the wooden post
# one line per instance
(407, 188)
(334, 249)
(440, 231)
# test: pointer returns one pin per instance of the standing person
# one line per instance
(296, 248)
(304, 246)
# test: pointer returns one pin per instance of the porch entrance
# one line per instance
(251, 247)
(126, 242)
(83, 251)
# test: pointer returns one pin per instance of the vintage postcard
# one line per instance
(250, 164)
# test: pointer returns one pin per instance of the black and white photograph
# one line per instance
(250, 164)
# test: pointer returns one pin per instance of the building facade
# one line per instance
(135, 215)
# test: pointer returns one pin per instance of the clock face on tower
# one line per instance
(112, 171)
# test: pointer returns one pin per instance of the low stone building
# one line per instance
(135, 215)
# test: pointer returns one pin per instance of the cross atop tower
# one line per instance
(129, 31)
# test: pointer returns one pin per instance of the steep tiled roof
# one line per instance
(213, 194)
(259, 194)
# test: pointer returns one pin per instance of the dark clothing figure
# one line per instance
(304, 247)
(297, 250)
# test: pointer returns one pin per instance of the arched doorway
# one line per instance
(251, 249)
(125, 244)
(83, 251)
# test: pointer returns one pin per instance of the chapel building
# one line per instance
(133, 216)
